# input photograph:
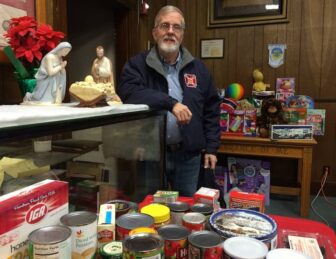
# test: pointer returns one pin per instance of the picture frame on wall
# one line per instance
(225, 13)
(212, 48)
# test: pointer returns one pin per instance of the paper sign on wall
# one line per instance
(276, 54)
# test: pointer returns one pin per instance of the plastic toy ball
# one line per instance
(234, 91)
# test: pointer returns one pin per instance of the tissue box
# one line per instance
(106, 224)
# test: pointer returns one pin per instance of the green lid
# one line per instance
(112, 250)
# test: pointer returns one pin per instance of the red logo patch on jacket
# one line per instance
(190, 80)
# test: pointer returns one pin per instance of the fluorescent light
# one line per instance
(272, 6)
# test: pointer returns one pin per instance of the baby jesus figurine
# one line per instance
(102, 68)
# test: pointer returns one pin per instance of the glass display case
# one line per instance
(104, 153)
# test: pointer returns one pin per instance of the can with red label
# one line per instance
(177, 210)
(127, 222)
(176, 241)
(194, 221)
(143, 245)
(205, 244)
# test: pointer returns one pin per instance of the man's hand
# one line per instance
(210, 161)
(182, 113)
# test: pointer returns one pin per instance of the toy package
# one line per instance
(285, 87)
(238, 122)
(249, 175)
(316, 118)
(295, 115)
(250, 118)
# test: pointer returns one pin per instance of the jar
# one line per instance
(159, 212)
(177, 210)
(112, 250)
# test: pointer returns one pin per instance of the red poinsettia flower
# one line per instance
(30, 41)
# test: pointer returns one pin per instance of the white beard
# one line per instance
(168, 48)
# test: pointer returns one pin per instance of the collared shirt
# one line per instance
(175, 91)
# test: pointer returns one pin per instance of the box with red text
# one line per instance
(22, 211)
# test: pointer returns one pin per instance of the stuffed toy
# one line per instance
(271, 113)
(259, 85)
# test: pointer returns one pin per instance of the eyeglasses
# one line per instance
(166, 26)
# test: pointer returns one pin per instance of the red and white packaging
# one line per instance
(206, 195)
(22, 211)
(247, 200)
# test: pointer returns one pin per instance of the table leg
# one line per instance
(305, 181)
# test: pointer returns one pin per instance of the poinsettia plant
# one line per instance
(30, 41)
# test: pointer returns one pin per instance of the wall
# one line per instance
(310, 36)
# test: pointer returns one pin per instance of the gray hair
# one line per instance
(168, 9)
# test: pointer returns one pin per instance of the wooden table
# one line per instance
(264, 147)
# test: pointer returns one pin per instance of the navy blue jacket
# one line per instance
(143, 81)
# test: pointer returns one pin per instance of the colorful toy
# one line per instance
(259, 85)
(234, 91)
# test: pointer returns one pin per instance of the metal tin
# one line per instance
(112, 250)
(194, 221)
(203, 208)
(177, 210)
(142, 230)
(205, 244)
(83, 225)
(143, 246)
(50, 242)
(244, 248)
(176, 241)
(125, 223)
(122, 207)
(244, 222)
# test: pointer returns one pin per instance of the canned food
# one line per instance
(159, 212)
(143, 246)
(244, 248)
(177, 210)
(194, 221)
(176, 241)
(205, 244)
(50, 242)
(125, 223)
(203, 208)
(83, 225)
(143, 230)
(122, 207)
(112, 250)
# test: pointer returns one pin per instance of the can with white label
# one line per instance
(83, 225)
(50, 242)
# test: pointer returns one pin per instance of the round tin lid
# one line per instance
(205, 209)
(112, 248)
(204, 239)
(194, 217)
(159, 212)
(120, 205)
(245, 248)
(142, 230)
(173, 232)
(50, 235)
(178, 206)
(135, 220)
(143, 242)
(78, 218)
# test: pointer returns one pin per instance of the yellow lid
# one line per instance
(159, 212)
(142, 230)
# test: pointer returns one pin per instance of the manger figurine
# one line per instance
(51, 77)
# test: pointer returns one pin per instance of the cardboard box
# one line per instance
(106, 224)
(206, 195)
(245, 200)
(27, 209)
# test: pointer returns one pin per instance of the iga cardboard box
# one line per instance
(27, 209)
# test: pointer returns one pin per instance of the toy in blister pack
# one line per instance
(236, 121)
(224, 121)
(250, 118)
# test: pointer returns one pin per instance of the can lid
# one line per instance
(143, 242)
(134, 220)
(159, 212)
(112, 248)
(120, 205)
(204, 239)
(142, 230)
(203, 208)
(78, 218)
(194, 217)
(287, 253)
(245, 248)
(178, 206)
(50, 235)
(173, 232)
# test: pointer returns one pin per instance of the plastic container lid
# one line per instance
(245, 248)
(160, 213)
(287, 253)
